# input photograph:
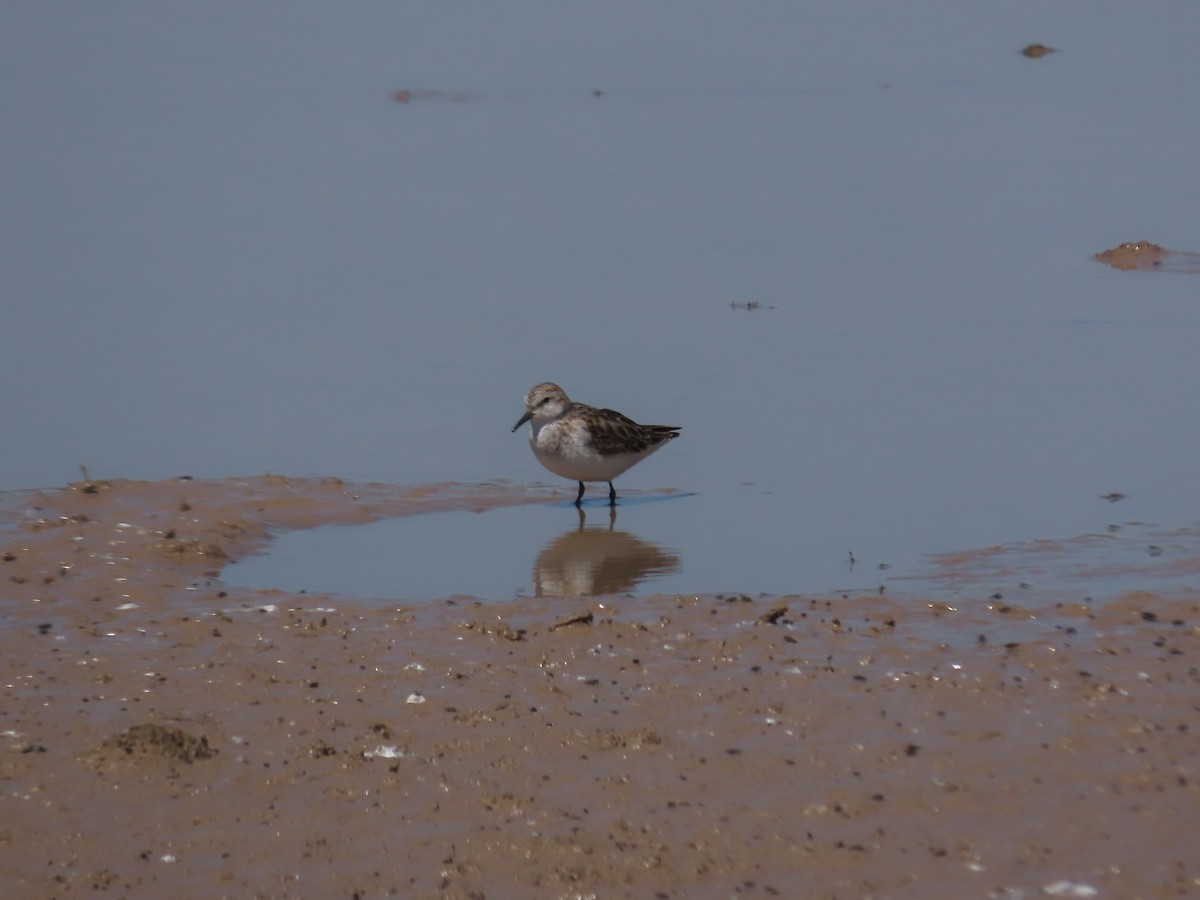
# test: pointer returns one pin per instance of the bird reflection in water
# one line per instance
(598, 560)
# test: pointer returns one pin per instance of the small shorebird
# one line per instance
(584, 443)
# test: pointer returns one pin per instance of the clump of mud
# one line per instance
(1146, 256)
(1037, 51)
(151, 741)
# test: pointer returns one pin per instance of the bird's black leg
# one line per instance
(612, 495)
(579, 496)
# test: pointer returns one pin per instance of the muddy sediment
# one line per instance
(1146, 256)
(165, 734)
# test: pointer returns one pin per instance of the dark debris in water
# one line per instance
(1037, 51)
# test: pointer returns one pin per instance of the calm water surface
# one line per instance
(225, 250)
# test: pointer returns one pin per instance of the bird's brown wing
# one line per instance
(626, 436)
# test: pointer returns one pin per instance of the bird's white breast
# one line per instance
(565, 449)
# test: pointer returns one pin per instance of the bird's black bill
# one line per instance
(521, 421)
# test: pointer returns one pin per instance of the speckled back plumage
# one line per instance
(623, 435)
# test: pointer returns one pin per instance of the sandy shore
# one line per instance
(165, 735)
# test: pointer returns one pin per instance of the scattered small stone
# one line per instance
(582, 618)
(1069, 889)
(773, 615)
(509, 633)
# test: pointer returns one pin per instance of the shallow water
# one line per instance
(227, 250)
(654, 544)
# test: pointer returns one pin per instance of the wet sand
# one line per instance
(166, 735)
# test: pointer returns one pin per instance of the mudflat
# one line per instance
(162, 734)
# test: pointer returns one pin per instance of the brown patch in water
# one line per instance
(1037, 51)
(1145, 256)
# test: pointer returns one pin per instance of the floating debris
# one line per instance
(1146, 256)
(1037, 51)
(406, 96)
